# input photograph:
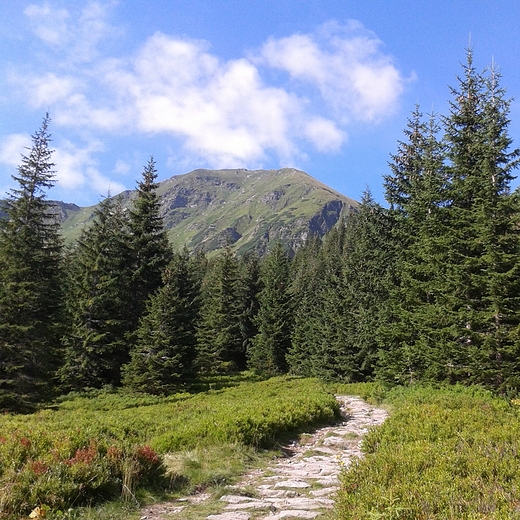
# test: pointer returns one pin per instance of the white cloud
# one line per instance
(103, 184)
(50, 89)
(77, 168)
(12, 147)
(346, 64)
(76, 34)
(50, 25)
(121, 167)
(80, 112)
(324, 134)
(71, 165)
(223, 113)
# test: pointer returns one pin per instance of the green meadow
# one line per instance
(90, 449)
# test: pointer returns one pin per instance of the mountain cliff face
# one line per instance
(205, 209)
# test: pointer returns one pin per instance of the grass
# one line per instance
(89, 449)
(445, 453)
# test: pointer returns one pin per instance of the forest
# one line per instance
(425, 289)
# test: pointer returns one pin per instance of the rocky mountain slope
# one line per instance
(205, 209)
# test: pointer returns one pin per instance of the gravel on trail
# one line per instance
(300, 485)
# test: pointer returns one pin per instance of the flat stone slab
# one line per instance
(257, 504)
(296, 484)
(294, 514)
(236, 499)
(296, 503)
(230, 516)
(324, 492)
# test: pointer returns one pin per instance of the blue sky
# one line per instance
(325, 86)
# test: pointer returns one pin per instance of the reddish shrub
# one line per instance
(145, 453)
(84, 455)
(25, 442)
(114, 454)
(38, 467)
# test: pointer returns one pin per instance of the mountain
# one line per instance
(205, 209)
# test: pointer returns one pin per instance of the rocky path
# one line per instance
(301, 485)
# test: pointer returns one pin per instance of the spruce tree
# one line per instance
(416, 191)
(220, 342)
(482, 287)
(162, 360)
(307, 281)
(274, 320)
(330, 312)
(366, 281)
(250, 287)
(30, 280)
(98, 293)
(149, 246)
(457, 307)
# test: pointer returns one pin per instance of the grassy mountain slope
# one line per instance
(204, 209)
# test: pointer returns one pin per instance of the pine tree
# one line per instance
(220, 343)
(267, 354)
(149, 246)
(30, 280)
(162, 361)
(98, 292)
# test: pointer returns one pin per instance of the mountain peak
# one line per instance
(205, 209)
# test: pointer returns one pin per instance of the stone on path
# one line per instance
(230, 516)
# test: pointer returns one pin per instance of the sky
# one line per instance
(325, 86)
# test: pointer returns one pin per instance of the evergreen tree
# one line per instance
(220, 341)
(416, 191)
(329, 314)
(307, 282)
(149, 246)
(98, 292)
(482, 287)
(274, 319)
(250, 287)
(457, 301)
(367, 279)
(30, 280)
(163, 358)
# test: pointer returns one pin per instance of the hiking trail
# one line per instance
(302, 484)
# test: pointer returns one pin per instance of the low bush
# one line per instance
(450, 453)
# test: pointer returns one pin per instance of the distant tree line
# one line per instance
(427, 289)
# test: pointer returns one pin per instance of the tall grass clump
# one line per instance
(93, 448)
(449, 453)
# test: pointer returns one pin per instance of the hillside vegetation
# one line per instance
(424, 291)
(205, 209)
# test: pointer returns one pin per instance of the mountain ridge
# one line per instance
(205, 209)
